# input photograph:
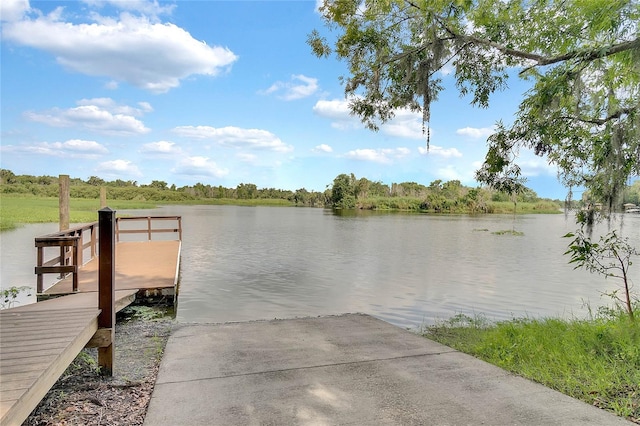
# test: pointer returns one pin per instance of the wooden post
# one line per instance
(103, 197)
(64, 201)
(106, 287)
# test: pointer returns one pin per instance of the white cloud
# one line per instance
(447, 69)
(145, 106)
(199, 167)
(151, 56)
(161, 148)
(322, 148)
(382, 156)
(152, 8)
(235, 137)
(476, 132)
(89, 147)
(93, 116)
(118, 168)
(13, 10)
(335, 109)
(465, 173)
(536, 166)
(73, 148)
(338, 111)
(247, 158)
(449, 173)
(299, 87)
(405, 123)
(110, 105)
(440, 151)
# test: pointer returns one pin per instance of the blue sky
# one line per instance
(217, 92)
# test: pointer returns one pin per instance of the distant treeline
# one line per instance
(157, 190)
(349, 192)
(346, 192)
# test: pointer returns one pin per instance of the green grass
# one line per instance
(451, 206)
(596, 360)
(21, 209)
(540, 207)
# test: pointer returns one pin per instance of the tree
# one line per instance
(246, 191)
(610, 256)
(7, 176)
(301, 196)
(158, 184)
(582, 58)
(342, 191)
(95, 181)
(632, 193)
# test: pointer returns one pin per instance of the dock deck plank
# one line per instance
(139, 265)
(38, 341)
(26, 382)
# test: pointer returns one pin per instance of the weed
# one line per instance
(595, 360)
(144, 313)
(9, 296)
(509, 232)
(86, 360)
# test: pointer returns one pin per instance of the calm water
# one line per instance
(249, 263)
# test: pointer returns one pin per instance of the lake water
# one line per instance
(251, 263)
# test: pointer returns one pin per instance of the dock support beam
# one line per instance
(106, 287)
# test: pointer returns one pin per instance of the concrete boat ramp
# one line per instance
(343, 370)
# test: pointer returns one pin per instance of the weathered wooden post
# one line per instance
(63, 204)
(106, 288)
(103, 197)
(64, 201)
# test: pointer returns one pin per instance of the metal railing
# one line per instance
(72, 244)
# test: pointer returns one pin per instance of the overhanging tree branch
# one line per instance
(583, 55)
(601, 121)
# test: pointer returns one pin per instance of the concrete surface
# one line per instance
(343, 370)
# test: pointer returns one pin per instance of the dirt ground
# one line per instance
(83, 397)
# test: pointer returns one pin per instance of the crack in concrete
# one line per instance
(283, 370)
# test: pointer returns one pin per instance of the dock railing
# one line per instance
(71, 245)
(77, 246)
(122, 229)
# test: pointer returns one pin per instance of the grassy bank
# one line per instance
(596, 360)
(416, 204)
(19, 209)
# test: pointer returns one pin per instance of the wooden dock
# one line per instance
(40, 340)
(151, 267)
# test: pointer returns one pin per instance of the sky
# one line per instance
(216, 92)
